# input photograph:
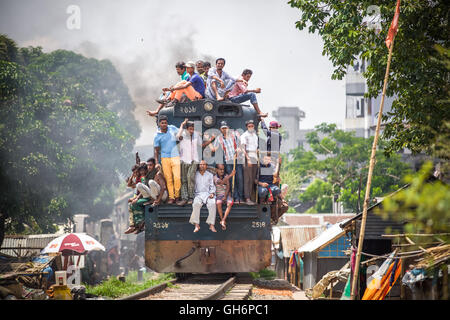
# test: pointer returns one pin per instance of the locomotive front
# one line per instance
(170, 244)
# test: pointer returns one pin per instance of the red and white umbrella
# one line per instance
(78, 242)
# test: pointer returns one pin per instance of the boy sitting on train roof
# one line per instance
(193, 87)
(240, 92)
(204, 194)
(222, 183)
(267, 180)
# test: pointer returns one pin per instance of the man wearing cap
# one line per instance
(240, 92)
(190, 145)
(192, 86)
(273, 136)
(249, 143)
(229, 142)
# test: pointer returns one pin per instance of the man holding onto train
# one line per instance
(230, 144)
(190, 143)
(165, 141)
(266, 180)
(204, 194)
(249, 143)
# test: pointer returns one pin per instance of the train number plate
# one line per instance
(188, 109)
(160, 225)
(258, 224)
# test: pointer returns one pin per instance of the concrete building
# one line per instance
(361, 113)
(289, 118)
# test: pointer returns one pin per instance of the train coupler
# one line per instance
(208, 255)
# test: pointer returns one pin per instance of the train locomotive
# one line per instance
(245, 245)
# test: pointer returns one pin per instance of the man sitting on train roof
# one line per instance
(266, 178)
(203, 69)
(165, 141)
(219, 83)
(191, 85)
(228, 142)
(204, 194)
(240, 92)
(222, 183)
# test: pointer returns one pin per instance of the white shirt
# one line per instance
(189, 147)
(204, 185)
(251, 143)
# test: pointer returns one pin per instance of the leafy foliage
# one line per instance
(337, 167)
(419, 73)
(115, 288)
(424, 205)
(66, 131)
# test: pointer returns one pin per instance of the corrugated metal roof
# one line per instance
(315, 218)
(292, 237)
(323, 239)
(30, 244)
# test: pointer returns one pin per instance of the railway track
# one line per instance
(199, 287)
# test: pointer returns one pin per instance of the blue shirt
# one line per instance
(197, 83)
(167, 142)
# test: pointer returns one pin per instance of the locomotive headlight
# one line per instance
(208, 120)
(208, 106)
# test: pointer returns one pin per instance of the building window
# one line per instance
(355, 107)
(336, 248)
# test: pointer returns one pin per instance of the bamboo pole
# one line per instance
(369, 178)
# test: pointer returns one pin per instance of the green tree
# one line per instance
(66, 132)
(342, 159)
(419, 78)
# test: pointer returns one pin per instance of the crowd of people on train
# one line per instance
(183, 170)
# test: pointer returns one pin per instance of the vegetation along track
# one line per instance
(200, 287)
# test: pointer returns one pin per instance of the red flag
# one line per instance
(394, 26)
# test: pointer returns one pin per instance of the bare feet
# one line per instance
(263, 115)
(225, 96)
(224, 226)
(152, 113)
(197, 227)
(211, 227)
(130, 229)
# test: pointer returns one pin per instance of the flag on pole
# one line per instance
(394, 26)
